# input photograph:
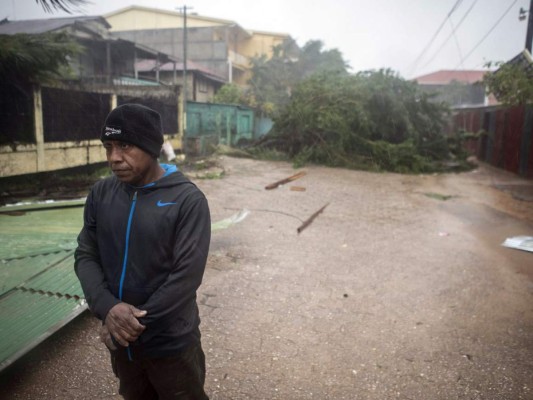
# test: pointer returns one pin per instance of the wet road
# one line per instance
(390, 293)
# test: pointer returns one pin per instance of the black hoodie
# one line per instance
(146, 247)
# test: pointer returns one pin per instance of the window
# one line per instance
(202, 85)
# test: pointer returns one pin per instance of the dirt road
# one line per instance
(400, 289)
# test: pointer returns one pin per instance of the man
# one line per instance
(140, 259)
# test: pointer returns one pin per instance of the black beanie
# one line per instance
(135, 124)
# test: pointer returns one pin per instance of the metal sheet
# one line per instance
(59, 280)
(39, 291)
(27, 318)
(34, 232)
(16, 271)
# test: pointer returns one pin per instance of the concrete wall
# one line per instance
(260, 43)
(27, 160)
(203, 46)
(42, 155)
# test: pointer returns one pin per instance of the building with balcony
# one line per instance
(220, 46)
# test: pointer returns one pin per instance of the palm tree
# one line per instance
(63, 5)
(37, 58)
(34, 58)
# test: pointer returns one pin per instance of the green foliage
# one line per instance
(314, 59)
(273, 79)
(62, 5)
(229, 94)
(512, 84)
(438, 196)
(403, 157)
(35, 58)
(372, 120)
(40, 58)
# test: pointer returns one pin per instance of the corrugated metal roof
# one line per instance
(39, 291)
(58, 279)
(27, 318)
(39, 228)
(14, 272)
(150, 65)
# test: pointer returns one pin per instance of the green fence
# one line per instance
(210, 124)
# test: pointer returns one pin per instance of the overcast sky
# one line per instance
(371, 34)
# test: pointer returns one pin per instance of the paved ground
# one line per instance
(391, 293)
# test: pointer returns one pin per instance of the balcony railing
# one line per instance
(238, 59)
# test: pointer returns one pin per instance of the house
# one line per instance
(220, 46)
(517, 89)
(202, 84)
(458, 88)
(108, 59)
(105, 59)
(523, 60)
(55, 126)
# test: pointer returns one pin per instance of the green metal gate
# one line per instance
(209, 124)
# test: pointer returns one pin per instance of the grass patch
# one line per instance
(211, 175)
(438, 196)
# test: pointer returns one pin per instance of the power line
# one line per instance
(459, 51)
(451, 34)
(415, 63)
(487, 34)
(456, 41)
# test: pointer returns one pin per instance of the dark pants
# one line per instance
(178, 378)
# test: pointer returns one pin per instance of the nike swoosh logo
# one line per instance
(160, 204)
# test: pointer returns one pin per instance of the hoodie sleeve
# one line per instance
(176, 298)
(88, 267)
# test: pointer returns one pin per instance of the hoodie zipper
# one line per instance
(125, 261)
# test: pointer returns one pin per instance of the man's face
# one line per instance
(129, 163)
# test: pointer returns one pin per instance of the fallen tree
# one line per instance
(372, 120)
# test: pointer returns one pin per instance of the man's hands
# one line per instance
(122, 323)
(105, 338)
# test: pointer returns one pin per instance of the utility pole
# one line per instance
(184, 94)
(529, 34)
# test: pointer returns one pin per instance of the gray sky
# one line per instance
(371, 34)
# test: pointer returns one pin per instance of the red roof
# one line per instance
(445, 77)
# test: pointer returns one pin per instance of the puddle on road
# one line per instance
(493, 227)
(522, 192)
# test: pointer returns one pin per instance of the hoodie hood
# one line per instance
(172, 177)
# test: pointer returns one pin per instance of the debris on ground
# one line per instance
(223, 150)
(519, 242)
(230, 221)
(286, 180)
(308, 221)
(298, 189)
(202, 168)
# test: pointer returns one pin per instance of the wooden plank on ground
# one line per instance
(286, 180)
